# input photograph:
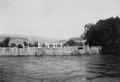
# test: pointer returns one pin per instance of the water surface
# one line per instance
(60, 69)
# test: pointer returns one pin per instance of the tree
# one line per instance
(87, 28)
(1, 44)
(105, 33)
(25, 44)
(35, 44)
(5, 42)
(13, 45)
(31, 45)
(70, 43)
(20, 46)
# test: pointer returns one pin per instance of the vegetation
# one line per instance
(72, 43)
(35, 44)
(25, 44)
(5, 42)
(13, 45)
(105, 33)
(20, 46)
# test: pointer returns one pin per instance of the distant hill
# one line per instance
(27, 38)
(76, 39)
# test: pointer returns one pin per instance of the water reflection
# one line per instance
(60, 69)
(104, 67)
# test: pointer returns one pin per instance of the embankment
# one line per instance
(41, 51)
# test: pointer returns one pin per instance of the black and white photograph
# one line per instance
(59, 40)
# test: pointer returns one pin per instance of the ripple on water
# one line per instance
(60, 69)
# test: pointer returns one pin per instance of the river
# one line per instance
(60, 69)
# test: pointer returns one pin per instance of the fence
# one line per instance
(45, 51)
(36, 51)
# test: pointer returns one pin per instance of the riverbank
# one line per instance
(33, 51)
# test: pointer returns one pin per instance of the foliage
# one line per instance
(72, 43)
(13, 45)
(20, 46)
(5, 42)
(105, 33)
(30, 45)
(25, 44)
(35, 44)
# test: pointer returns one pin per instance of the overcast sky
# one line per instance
(53, 18)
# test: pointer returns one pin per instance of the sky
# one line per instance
(60, 19)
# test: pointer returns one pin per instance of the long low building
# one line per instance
(57, 44)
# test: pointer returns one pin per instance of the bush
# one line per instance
(20, 46)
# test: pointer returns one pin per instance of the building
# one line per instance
(56, 44)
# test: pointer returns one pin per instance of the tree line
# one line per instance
(6, 43)
(105, 33)
(73, 43)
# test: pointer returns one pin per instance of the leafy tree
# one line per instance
(5, 42)
(1, 44)
(31, 45)
(35, 44)
(70, 43)
(25, 44)
(105, 33)
(20, 46)
(13, 45)
(87, 28)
